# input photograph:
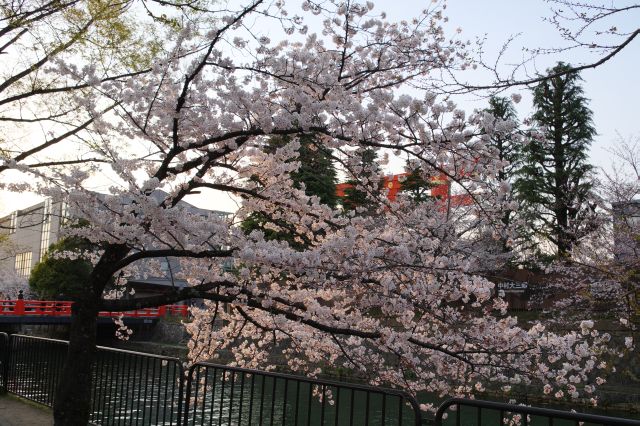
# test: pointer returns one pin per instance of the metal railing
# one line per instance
(34, 367)
(144, 389)
(136, 388)
(478, 412)
(222, 395)
(128, 387)
(4, 361)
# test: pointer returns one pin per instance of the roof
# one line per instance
(162, 282)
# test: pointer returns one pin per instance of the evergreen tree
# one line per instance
(317, 171)
(555, 181)
(54, 277)
(417, 187)
(356, 197)
(506, 144)
(318, 175)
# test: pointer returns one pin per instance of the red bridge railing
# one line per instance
(49, 308)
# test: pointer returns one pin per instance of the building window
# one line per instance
(45, 238)
(64, 213)
(14, 222)
(23, 264)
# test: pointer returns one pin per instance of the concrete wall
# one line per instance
(36, 228)
(626, 228)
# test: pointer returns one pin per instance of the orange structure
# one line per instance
(441, 189)
(54, 308)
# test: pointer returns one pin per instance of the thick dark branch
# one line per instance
(13, 40)
(239, 136)
(62, 89)
(66, 162)
(250, 319)
(178, 295)
(229, 188)
(187, 83)
(24, 19)
(150, 254)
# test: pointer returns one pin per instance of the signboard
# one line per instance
(512, 286)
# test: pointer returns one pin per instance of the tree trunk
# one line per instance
(72, 403)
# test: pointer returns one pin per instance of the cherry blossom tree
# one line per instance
(601, 275)
(397, 294)
(614, 250)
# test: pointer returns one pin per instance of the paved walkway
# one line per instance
(17, 412)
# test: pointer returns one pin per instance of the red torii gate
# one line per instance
(441, 189)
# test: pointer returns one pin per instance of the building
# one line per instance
(440, 188)
(626, 231)
(34, 229)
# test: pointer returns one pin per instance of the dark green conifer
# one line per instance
(555, 181)
(508, 149)
(356, 197)
(317, 173)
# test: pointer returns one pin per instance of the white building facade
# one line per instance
(32, 231)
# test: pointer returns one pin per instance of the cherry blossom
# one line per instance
(398, 295)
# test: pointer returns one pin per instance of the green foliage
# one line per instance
(318, 176)
(317, 171)
(509, 150)
(505, 143)
(417, 187)
(116, 37)
(274, 229)
(554, 183)
(355, 197)
(54, 277)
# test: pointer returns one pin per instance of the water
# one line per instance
(133, 389)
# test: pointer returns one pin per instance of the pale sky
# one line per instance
(613, 87)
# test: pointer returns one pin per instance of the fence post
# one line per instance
(162, 311)
(185, 395)
(181, 396)
(4, 358)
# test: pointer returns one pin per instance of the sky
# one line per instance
(612, 88)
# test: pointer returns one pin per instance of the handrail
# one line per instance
(31, 365)
(304, 379)
(124, 381)
(237, 376)
(534, 411)
(4, 361)
(106, 348)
